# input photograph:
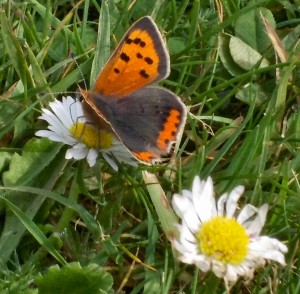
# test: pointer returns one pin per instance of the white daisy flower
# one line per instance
(213, 236)
(67, 124)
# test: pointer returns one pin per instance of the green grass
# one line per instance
(243, 128)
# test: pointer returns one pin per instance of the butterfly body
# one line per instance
(147, 119)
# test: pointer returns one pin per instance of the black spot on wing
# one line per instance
(124, 57)
(144, 74)
(148, 60)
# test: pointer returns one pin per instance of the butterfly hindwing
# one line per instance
(147, 121)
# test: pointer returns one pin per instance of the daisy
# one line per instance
(213, 236)
(67, 124)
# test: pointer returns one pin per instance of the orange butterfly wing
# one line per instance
(146, 119)
(139, 60)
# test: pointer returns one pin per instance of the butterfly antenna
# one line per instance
(81, 73)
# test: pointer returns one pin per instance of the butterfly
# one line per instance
(146, 118)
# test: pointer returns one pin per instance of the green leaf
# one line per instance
(245, 56)
(37, 155)
(75, 279)
(252, 90)
(250, 28)
(176, 45)
(291, 40)
(4, 160)
(226, 57)
(102, 51)
(162, 206)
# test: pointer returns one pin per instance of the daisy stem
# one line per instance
(195, 281)
(162, 206)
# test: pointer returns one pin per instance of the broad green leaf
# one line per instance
(291, 40)
(225, 55)
(245, 56)
(5, 158)
(72, 278)
(36, 156)
(250, 28)
(176, 45)
(252, 90)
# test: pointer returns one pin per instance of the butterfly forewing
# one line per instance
(139, 60)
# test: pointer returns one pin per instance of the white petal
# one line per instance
(185, 209)
(179, 247)
(240, 269)
(181, 204)
(91, 157)
(62, 111)
(119, 152)
(219, 268)
(246, 213)
(58, 127)
(192, 220)
(60, 130)
(245, 270)
(221, 204)
(188, 194)
(46, 134)
(76, 153)
(56, 137)
(203, 198)
(110, 161)
(231, 274)
(188, 258)
(186, 253)
(187, 242)
(200, 260)
(233, 197)
(51, 118)
(189, 248)
(203, 263)
(275, 256)
(186, 233)
(268, 248)
(257, 224)
(76, 110)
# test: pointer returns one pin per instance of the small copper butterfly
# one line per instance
(147, 119)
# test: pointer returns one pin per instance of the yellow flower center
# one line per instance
(91, 136)
(224, 239)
